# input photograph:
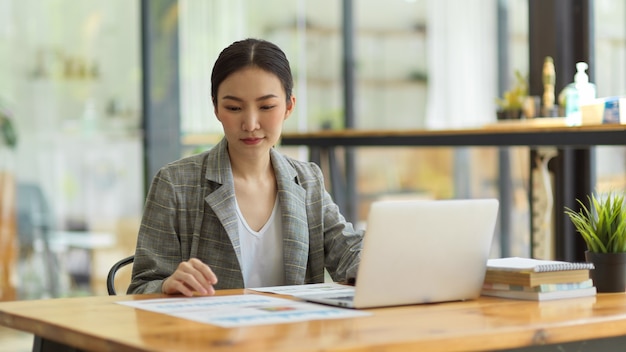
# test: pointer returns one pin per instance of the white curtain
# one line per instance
(206, 27)
(462, 61)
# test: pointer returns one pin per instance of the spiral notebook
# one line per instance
(534, 265)
(421, 251)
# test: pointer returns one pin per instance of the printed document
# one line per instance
(308, 290)
(242, 310)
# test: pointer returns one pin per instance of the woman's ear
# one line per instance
(291, 104)
(215, 109)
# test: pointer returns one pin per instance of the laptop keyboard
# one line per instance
(344, 298)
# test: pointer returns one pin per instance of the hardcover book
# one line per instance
(539, 288)
(533, 272)
(541, 296)
(530, 278)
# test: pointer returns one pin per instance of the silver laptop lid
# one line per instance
(423, 251)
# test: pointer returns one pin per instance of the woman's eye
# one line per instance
(267, 107)
(233, 108)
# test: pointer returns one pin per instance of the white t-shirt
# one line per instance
(262, 252)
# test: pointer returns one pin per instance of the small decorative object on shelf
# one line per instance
(602, 225)
(510, 105)
(548, 76)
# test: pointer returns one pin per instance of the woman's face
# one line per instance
(251, 104)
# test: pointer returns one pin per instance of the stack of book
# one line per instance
(535, 279)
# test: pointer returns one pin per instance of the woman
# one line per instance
(241, 214)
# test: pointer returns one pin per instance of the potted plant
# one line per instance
(510, 105)
(603, 227)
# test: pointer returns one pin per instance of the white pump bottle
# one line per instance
(578, 93)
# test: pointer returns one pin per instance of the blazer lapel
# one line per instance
(294, 220)
(222, 199)
(291, 195)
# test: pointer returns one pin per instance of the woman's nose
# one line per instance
(250, 121)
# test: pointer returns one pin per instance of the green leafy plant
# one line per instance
(513, 99)
(603, 224)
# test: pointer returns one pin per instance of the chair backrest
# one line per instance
(111, 276)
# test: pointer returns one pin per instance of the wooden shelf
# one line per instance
(195, 139)
(508, 134)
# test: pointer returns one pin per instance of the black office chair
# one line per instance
(111, 276)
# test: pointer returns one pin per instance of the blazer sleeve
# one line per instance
(342, 243)
(158, 250)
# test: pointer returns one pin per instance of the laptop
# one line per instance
(421, 251)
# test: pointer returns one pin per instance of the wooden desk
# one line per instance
(573, 168)
(97, 323)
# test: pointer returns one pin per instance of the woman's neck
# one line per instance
(251, 168)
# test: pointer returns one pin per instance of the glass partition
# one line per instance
(71, 80)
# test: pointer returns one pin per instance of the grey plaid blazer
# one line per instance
(190, 213)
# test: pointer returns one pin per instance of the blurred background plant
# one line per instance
(8, 136)
(513, 99)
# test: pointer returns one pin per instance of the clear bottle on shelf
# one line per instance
(578, 93)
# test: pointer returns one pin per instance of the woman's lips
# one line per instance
(252, 141)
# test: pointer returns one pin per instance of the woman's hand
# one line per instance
(192, 276)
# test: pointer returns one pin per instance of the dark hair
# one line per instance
(251, 52)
